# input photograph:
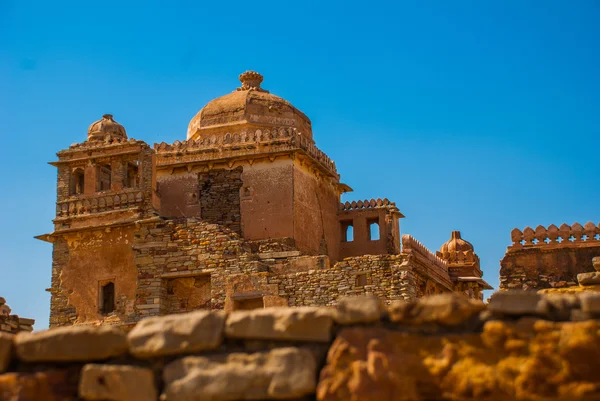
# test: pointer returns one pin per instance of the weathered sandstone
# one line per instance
(282, 373)
(80, 343)
(176, 334)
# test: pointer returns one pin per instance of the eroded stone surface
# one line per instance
(281, 373)
(52, 385)
(352, 310)
(526, 360)
(175, 334)
(299, 324)
(445, 309)
(117, 383)
(81, 343)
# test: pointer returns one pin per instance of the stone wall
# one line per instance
(220, 197)
(549, 257)
(12, 323)
(523, 346)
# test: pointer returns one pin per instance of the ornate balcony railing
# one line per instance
(104, 202)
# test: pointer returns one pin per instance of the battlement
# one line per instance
(369, 204)
(221, 146)
(411, 244)
(552, 236)
(550, 257)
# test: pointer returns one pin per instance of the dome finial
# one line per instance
(251, 80)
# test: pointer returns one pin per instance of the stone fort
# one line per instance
(245, 213)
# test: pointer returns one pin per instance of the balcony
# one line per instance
(102, 202)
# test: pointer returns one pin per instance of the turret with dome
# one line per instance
(106, 127)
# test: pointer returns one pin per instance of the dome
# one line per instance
(107, 126)
(456, 244)
(248, 105)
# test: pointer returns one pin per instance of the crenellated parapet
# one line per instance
(553, 236)
(411, 245)
(551, 257)
(369, 204)
(239, 144)
(432, 265)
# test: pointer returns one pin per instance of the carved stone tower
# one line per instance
(105, 185)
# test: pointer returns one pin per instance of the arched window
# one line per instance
(347, 231)
(107, 298)
(373, 229)
(77, 182)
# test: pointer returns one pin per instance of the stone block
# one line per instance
(6, 346)
(445, 309)
(290, 324)
(359, 309)
(590, 303)
(27, 322)
(592, 278)
(52, 385)
(517, 303)
(117, 383)
(175, 334)
(77, 343)
(281, 373)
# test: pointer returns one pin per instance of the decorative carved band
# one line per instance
(282, 135)
(98, 204)
(553, 235)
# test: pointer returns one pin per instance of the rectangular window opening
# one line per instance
(361, 280)
(104, 177)
(107, 298)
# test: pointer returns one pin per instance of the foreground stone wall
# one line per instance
(523, 346)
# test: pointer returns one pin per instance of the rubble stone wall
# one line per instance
(522, 346)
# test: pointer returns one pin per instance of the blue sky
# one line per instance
(472, 116)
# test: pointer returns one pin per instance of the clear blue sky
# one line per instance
(477, 116)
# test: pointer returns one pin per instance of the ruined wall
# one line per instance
(523, 346)
(315, 213)
(220, 197)
(549, 258)
(180, 262)
(82, 263)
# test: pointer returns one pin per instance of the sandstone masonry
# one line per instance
(245, 213)
(523, 346)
